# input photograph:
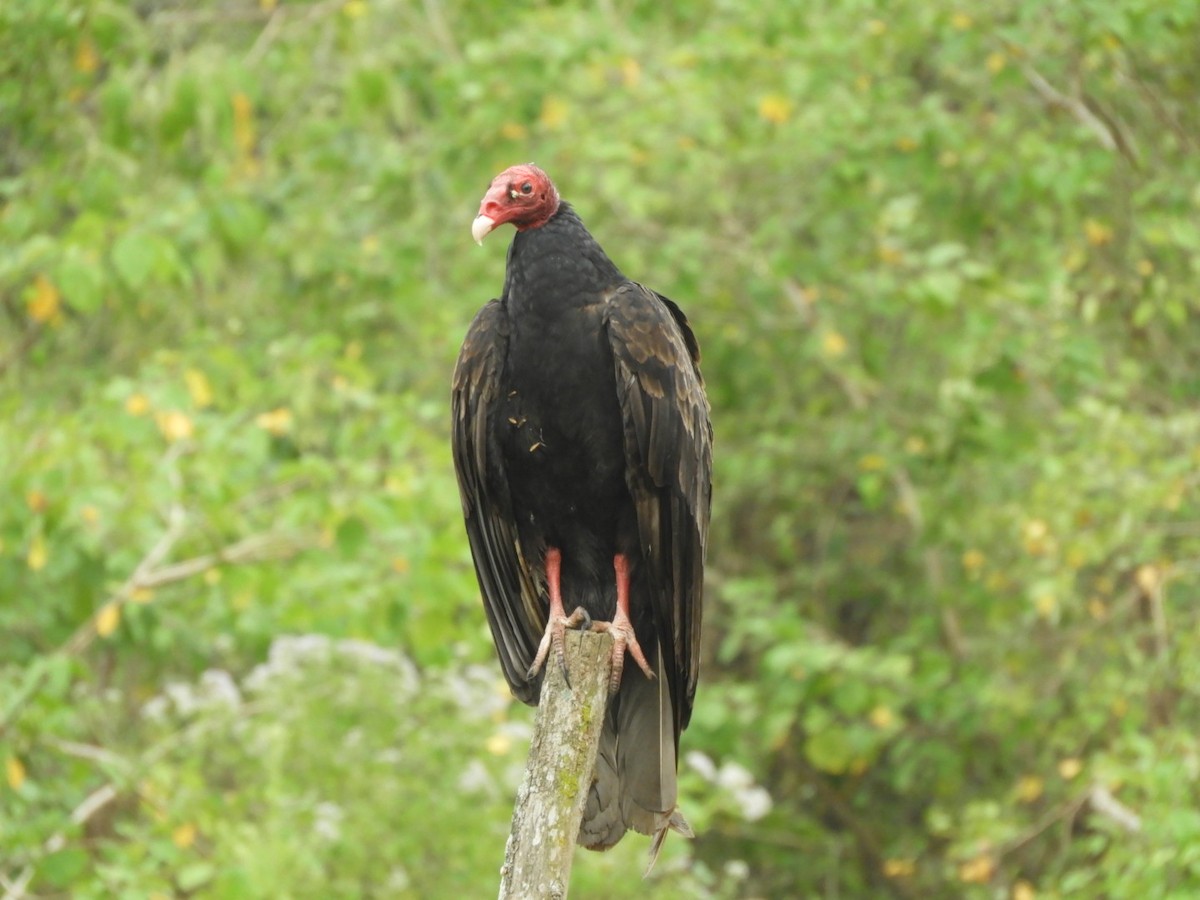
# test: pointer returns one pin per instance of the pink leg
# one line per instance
(557, 622)
(621, 628)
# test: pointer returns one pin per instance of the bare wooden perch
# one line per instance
(562, 757)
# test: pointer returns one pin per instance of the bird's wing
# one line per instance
(668, 456)
(510, 594)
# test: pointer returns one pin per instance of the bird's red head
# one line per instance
(523, 195)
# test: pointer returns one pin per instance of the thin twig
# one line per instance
(266, 37)
(868, 844)
(91, 804)
(440, 30)
(1103, 802)
(1158, 618)
(1106, 132)
(149, 573)
(1097, 797)
(22, 347)
(104, 795)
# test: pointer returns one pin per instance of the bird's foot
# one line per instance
(624, 641)
(554, 638)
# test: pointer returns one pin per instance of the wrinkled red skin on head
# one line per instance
(524, 210)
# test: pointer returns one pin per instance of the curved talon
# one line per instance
(554, 637)
(624, 641)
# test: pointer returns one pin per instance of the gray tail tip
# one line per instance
(674, 822)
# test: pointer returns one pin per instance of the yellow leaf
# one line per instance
(899, 868)
(1148, 578)
(268, 5)
(499, 743)
(198, 387)
(1145, 268)
(1074, 260)
(43, 303)
(15, 770)
(36, 501)
(973, 561)
(554, 113)
(400, 565)
(1036, 534)
(1023, 890)
(86, 59)
(978, 870)
(212, 576)
(631, 72)
(1030, 788)
(277, 422)
(243, 122)
(1097, 233)
(175, 426)
(1046, 605)
(996, 62)
(775, 108)
(833, 344)
(1070, 767)
(37, 556)
(108, 619)
(355, 9)
(137, 404)
(882, 717)
(141, 595)
(244, 132)
(184, 836)
(89, 514)
(996, 581)
(370, 244)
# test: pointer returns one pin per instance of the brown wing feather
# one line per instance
(668, 453)
(510, 594)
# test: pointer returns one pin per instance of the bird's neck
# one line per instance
(556, 266)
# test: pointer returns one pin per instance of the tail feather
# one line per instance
(674, 822)
(634, 784)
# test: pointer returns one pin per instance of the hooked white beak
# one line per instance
(480, 228)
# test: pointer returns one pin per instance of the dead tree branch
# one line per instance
(562, 757)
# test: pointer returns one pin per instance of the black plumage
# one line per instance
(583, 450)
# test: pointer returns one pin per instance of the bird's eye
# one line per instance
(527, 188)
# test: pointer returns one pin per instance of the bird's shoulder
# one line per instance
(486, 336)
(651, 327)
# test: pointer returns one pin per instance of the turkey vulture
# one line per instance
(583, 451)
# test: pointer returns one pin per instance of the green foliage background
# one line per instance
(942, 259)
